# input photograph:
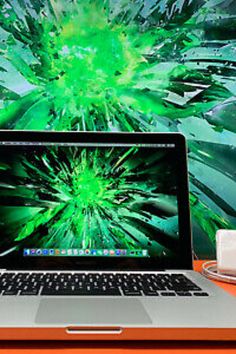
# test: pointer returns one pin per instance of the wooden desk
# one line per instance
(57, 347)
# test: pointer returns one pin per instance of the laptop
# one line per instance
(96, 240)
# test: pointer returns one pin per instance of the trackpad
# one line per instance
(91, 311)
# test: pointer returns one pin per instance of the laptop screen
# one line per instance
(88, 200)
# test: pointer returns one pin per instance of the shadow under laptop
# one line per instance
(111, 346)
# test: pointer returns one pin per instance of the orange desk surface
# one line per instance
(151, 347)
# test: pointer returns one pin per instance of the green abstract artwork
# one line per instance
(89, 198)
(138, 65)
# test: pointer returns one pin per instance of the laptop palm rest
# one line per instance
(97, 311)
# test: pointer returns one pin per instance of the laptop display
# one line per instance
(89, 200)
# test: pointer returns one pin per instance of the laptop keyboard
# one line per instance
(97, 284)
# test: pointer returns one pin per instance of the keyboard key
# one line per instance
(80, 292)
(150, 293)
(10, 292)
(29, 292)
(183, 293)
(168, 293)
(200, 294)
(132, 293)
(8, 275)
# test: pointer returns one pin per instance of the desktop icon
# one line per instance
(139, 253)
(39, 252)
(112, 252)
(94, 252)
(118, 252)
(105, 252)
(45, 252)
(26, 252)
(81, 252)
(51, 252)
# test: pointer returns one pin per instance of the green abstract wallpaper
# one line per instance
(89, 198)
(138, 65)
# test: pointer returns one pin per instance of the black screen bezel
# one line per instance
(184, 261)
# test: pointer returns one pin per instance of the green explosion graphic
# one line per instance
(139, 65)
(101, 198)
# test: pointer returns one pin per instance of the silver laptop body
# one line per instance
(96, 242)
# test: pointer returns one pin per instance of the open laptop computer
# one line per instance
(96, 242)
